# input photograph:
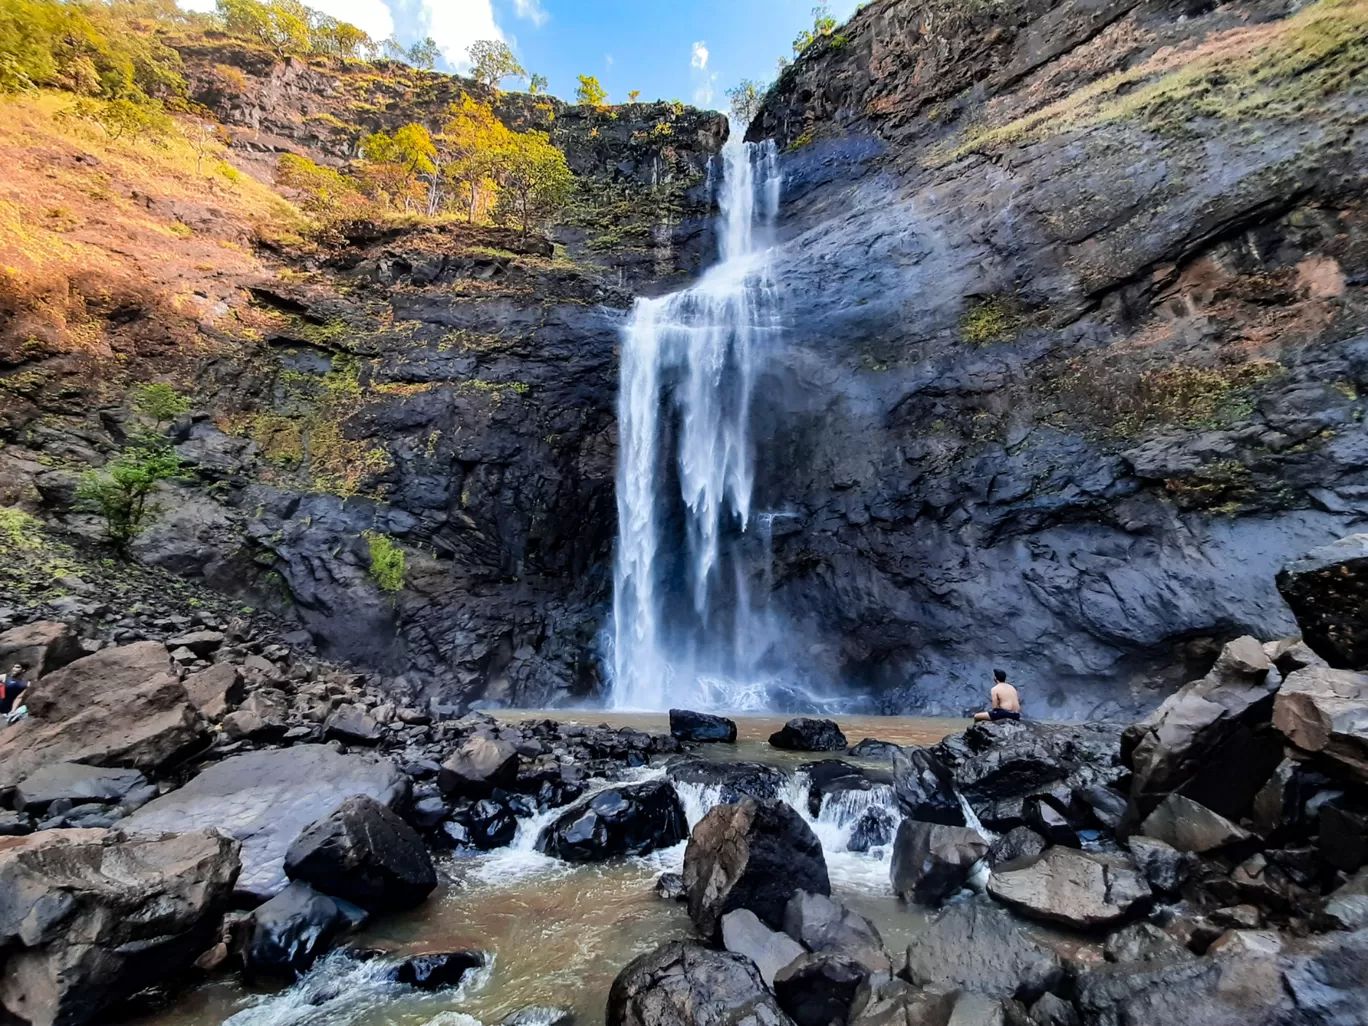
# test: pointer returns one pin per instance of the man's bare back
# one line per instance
(1006, 701)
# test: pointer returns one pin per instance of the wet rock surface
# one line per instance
(684, 984)
(805, 734)
(618, 821)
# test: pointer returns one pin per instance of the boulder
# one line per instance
(1205, 740)
(478, 766)
(41, 647)
(437, 970)
(1280, 807)
(1165, 868)
(990, 762)
(263, 716)
(873, 748)
(352, 725)
(972, 1009)
(823, 925)
(287, 934)
(684, 984)
(925, 789)
(670, 886)
(203, 643)
(835, 778)
(77, 784)
(807, 734)
(1327, 590)
(822, 989)
(1347, 907)
(1143, 942)
(215, 691)
(118, 707)
(1325, 985)
(755, 855)
(696, 726)
(14, 824)
(489, 824)
(1018, 843)
(1070, 887)
(1052, 1010)
(1043, 814)
(979, 946)
(87, 919)
(1325, 711)
(264, 799)
(932, 861)
(727, 782)
(874, 828)
(770, 950)
(627, 820)
(363, 853)
(1183, 824)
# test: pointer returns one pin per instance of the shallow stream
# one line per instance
(556, 933)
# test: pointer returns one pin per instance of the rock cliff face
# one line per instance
(1076, 305)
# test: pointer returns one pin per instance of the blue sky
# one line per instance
(690, 50)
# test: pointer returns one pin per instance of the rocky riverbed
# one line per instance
(211, 826)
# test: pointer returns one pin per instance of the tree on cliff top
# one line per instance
(823, 25)
(397, 161)
(290, 28)
(469, 151)
(746, 98)
(492, 62)
(590, 92)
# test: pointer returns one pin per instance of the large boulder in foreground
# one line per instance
(629, 820)
(687, 725)
(822, 989)
(118, 707)
(41, 647)
(932, 861)
(1205, 741)
(826, 926)
(808, 734)
(264, 799)
(979, 946)
(1327, 590)
(87, 919)
(1326, 712)
(365, 854)
(684, 984)
(770, 950)
(924, 788)
(755, 855)
(1070, 887)
(287, 934)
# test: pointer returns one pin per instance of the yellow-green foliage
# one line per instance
(990, 320)
(289, 27)
(159, 401)
(321, 188)
(19, 532)
(1279, 70)
(388, 564)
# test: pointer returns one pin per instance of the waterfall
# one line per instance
(685, 628)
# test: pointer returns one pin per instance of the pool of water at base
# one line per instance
(556, 934)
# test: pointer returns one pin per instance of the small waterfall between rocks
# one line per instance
(689, 625)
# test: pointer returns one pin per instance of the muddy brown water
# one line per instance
(555, 934)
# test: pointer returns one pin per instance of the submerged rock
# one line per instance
(696, 726)
(1070, 887)
(806, 734)
(755, 855)
(733, 780)
(628, 820)
(932, 861)
(439, 970)
(365, 854)
(684, 984)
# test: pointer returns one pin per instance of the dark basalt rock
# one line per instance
(1043, 815)
(755, 855)
(873, 748)
(1328, 592)
(874, 829)
(1018, 843)
(1187, 826)
(826, 926)
(1325, 712)
(805, 734)
(932, 861)
(365, 854)
(685, 984)
(770, 950)
(925, 789)
(287, 934)
(629, 820)
(76, 783)
(437, 971)
(834, 777)
(353, 725)
(489, 824)
(1065, 886)
(478, 766)
(822, 989)
(734, 780)
(696, 726)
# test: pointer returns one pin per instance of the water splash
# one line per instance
(686, 629)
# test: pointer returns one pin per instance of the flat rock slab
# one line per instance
(1070, 887)
(1187, 826)
(264, 799)
(1326, 711)
(77, 782)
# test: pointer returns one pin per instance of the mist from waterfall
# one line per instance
(689, 624)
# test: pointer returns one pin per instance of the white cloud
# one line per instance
(608, 59)
(372, 17)
(455, 24)
(704, 81)
(530, 10)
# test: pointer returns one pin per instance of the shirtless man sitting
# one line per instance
(1006, 701)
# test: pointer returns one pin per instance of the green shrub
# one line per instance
(387, 562)
(119, 493)
(159, 401)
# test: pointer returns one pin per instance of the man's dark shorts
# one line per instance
(1003, 714)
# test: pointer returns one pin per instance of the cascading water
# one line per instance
(684, 622)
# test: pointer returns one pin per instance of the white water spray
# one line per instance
(685, 630)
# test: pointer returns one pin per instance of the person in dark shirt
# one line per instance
(10, 689)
